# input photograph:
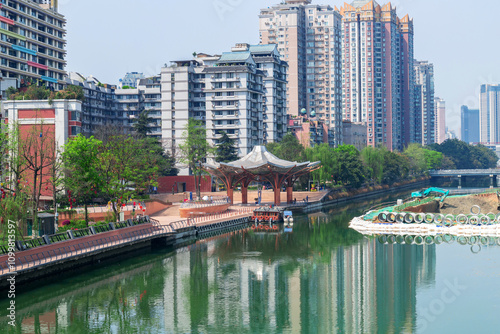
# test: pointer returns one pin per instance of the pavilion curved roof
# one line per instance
(261, 162)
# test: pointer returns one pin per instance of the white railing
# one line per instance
(220, 215)
(204, 204)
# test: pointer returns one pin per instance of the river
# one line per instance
(321, 278)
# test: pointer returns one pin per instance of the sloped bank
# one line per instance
(365, 193)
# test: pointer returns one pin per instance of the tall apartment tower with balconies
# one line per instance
(268, 60)
(241, 93)
(309, 40)
(377, 73)
(182, 97)
(424, 113)
(98, 106)
(235, 101)
(32, 42)
(150, 89)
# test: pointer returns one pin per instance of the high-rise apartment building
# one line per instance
(440, 115)
(489, 114)
(150, 88)
(469, 125)
(32, 41)
(104, 104)
(377, 72)
(308, 38)
(98, 107)
(242, 93)
(424, 119)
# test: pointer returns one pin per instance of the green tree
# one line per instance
(141, 126)
(126, 168)
(433, 159)
(71, 92)
(14, 208)
(416, 158)
(326, 155)
(466, 156)
(226, 151)
(273, 147)
(396, 167)
(373, 158)
(163, 159)
(290, 148)
(195, 149)
(349, 169)
(81, 162)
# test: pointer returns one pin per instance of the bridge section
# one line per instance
(462, 173)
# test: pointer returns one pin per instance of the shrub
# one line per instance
(66, 222)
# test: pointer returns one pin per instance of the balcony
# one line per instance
(230, 107)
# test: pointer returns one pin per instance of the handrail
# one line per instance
(203, 204)
(69, 251)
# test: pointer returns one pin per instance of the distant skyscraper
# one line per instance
(424, 112)
(440, 124)
(308, 38)
(489, 109)
(470, 125)
(377, 74)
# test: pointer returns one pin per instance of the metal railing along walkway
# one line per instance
(465, 172)
(77, 248)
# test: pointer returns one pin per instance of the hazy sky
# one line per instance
(107, 38)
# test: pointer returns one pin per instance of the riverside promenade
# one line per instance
(48, 256)
(171, 214)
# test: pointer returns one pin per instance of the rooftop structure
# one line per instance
(131, 79)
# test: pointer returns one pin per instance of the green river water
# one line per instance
(321, 278)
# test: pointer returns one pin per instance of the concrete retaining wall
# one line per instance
(318, 205)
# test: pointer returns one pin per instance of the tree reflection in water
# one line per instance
(321, 278)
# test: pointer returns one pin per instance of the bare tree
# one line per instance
(106, 133)
(13, 162)
(37, 149)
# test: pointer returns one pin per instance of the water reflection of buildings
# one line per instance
(368, 287)
(224, 285)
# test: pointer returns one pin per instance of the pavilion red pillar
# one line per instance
(277, 196)
(289, 194)
(244, 194)
(230, 195)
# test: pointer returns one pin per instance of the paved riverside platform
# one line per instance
(267, 196)
(48, 259)
(62, 256)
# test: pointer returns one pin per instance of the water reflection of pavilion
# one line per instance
(367, 287)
